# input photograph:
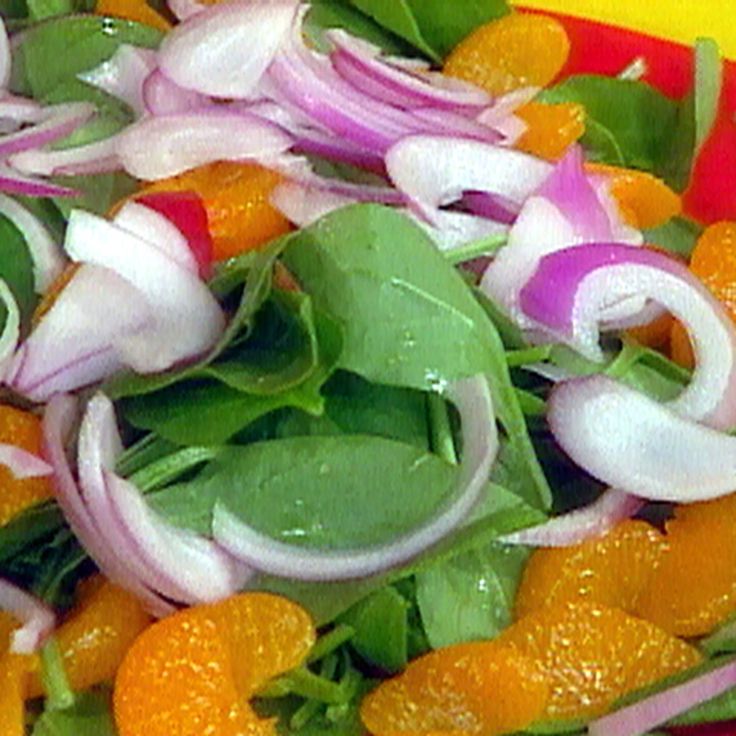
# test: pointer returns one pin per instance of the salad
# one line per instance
(367, 368)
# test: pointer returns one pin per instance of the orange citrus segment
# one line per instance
(655, 334)
(96, 636)
(518, 50)
(551, 129)
(236, 198)
(8, 624)
(694, 588)
(137, 10)
(192, 673)
(612, 570)
(23, 429)
(681, 350)
(476, 688)
(13, 673)
(594, 654)
(714, 261)
(645, 201)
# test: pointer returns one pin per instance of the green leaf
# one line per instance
(91, 715)
(398, 17)
(502, 513)
(326, 14)
(380, 626)
(640, 120)
(331, 493)
(249, 275)
(444, 24)
(42, 9)
(707, 87)
(16, 268)
(58, 49)
(409, 319)
(471, 596)
(282, 352)
(677, 235)
(98, 192)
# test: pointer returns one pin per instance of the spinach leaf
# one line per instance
(707, 87)
(677, 235)
(640, 119)
(445, 24)
(434, 27)
(91, 715)
(326, 14)
(332, 492)
(58, 49)
(97, 192)
(503, 512)
(409, 319)
(16, 268)
(380, 624)
(282, 352)
(42, 9)
(470, 596)
(202, 411)
(356, 406)
(398, 17)
(250, 276)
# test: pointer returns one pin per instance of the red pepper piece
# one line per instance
(186, 211)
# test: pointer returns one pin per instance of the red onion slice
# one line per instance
(571, 288)
(433, 171)
(156, 148)
(224, 50)
(123, 75)
(188, 319)
(94, 158)
(161, 96)
(360, 63)
(74, 344)
(629, 441)
(564, 211)
(183, 9)
(11, 329)
(158, 231)
(14, 111)
(59, 121)
(594, 520)
(14, 182)
(23, 464)
(642, 717)
(37, 619)
(58, 421)
(472, 398)
(178, 563)
(48, 261)
(6, 61)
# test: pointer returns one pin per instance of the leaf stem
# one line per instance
(59, 694)
(168, 469)
(476, 248)
(441, 439)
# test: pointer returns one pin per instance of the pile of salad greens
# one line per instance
(317, 417)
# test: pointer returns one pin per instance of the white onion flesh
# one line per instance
(36, 619)
(630, 442)
(224, 50)
(159, 147)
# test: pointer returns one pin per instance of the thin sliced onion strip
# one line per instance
(472, 398)
(36, 618)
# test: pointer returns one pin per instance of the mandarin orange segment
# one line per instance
(192, 673)
(714, 261)
(475, 688)
(23, 429)
(551, 129)
(518, 50)
(655, 334)
(13, 674)
(8, 624)
(594, 654)
(236, 198)
(612, 570)
(267, 635)
(97, 634)
(694, 588)
(137, 10)
(681, 350)
(645, 200)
